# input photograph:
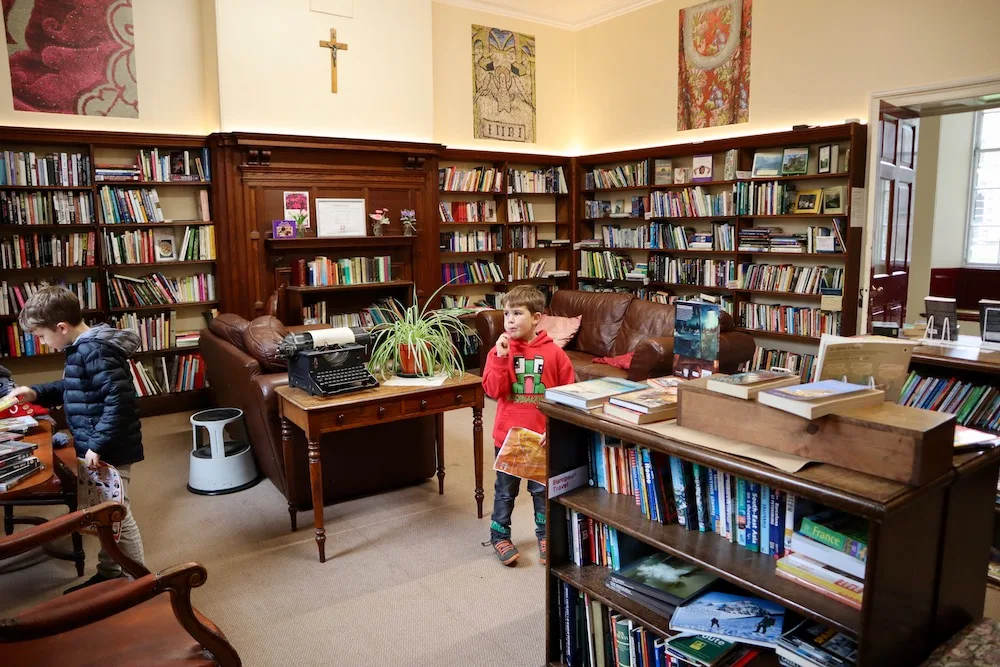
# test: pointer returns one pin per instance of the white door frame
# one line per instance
(901, 98)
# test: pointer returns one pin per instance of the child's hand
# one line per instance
(93, 459)
(503, 345)
(544, 441)
(23, 394)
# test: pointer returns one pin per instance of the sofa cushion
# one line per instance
(602, 318)
(622, 361)
(560, 329)
(586, 369)
(643, 319)
(261, 340)
(230, 327)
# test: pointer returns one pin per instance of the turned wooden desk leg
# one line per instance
(477, 452)
(439, 430)
(316, 481)
(288, 454)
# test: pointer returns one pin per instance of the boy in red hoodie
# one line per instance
(522, 365)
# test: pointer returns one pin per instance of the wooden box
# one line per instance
(903, 444)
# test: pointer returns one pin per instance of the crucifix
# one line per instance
(334, 46)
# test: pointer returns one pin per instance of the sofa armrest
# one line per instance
(653, 357)
(735, 347)
(489, 326)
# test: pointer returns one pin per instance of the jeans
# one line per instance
(504, 492)
(129, 541)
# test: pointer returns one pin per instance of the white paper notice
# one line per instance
(340, 217)
(568, 481)
(859, 202)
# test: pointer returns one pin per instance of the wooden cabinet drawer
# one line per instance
(439, 401)
(351, 416)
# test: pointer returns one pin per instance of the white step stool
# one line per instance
(221, 466)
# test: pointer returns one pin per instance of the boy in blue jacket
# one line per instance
(97, 395)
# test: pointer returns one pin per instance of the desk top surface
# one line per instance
(307, 401)
(41, 436)
(970, 356)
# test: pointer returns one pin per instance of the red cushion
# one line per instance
(622, 361)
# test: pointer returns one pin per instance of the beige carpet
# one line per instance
(406, 582)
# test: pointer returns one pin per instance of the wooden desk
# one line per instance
(316, 416)
(969, 358)
(42, 437)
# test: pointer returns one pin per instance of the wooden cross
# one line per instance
(334, 46)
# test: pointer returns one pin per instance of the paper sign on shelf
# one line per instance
(567, 481)
(859, 201)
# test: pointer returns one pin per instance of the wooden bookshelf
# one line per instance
(917, 588)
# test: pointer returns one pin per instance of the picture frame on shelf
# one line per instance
(682, 175)
(701, 169)
(346, 218)
(165, 244)
(834, 200)
(283, 229)
(808, 201)
(795, 161)
(663, 172)
(766, 164)
(823, 161)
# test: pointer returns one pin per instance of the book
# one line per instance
(876, 361)
(19, 424)
(700, 650)
(632, 416)
(696, 338)
(9, 482)
(649, 401)
(748, 385)
(838, 530)
(522, 454)
(591, 393)
(844, 587)
(846, 563)
(663, 172)
(824, 397)
(971, 439)
(664, 577)
(742, 618)
(821, 644)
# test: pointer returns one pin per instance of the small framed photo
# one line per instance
(795, 161)
(663, 172)
(766, 163)
(682, 175)
(824, 164)
(283, 229)
(833, 200)
(701, 169)
(808, 201)
(165, 244)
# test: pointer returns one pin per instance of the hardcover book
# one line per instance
(817, 642)
(838, 530)
(591, 393)
(696, 339)
(742, 618)
(664, 577)
(747, 385)
(699, 649)
(817, 399)
(648, 400)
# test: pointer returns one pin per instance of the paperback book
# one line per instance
(696, 339)
(748, 385)
(817, 399)
(591, 393)
(643, 406)
(664, 577)
(742, 618)
(522, 454)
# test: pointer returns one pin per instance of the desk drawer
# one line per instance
(442, 400)
(352, 416)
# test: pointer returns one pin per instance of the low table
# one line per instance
(316, 416)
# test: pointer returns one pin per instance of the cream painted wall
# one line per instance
(925, 192)
(555, 88)
(274, 77)
(176, 94)
(838, 54)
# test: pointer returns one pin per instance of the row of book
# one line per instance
(601, 208)
(168, 374)
(146, 246)
(32, 251)
(12, 297)
(765, 359)
(669, 236)
(724, 302)
(764, 198)
(468, 211)
(688, 271)
(523, 267)
(157, 289)
(789, 278)
(608, 265)
(479, 240)
(614, 236)
(156, 332)
(322, 312)
(691, 203)
(622, 176)
(323, 271)
(19, 343)
(46, 208)
(524, 236)
(151, 165)
(130, 205)
(25, 168)
(777, 318)
(477, 179)
(974, 405)
(543, 181)
(520, 211)
(468, 273)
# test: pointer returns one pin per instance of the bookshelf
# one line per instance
(84, 199)
(913, 599)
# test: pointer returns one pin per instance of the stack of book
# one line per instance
(733, 617)
(660, 582)
(591, 395)
(787, 243)
(187, 339)
(645, 406)
(756, 239)
(16, 460)
(828, 554)
(812, 644)
(117, 173)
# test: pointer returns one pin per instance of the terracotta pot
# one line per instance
(411, 364)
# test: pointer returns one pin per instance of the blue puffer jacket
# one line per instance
(98, 396)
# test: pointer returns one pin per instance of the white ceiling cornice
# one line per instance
(609, 10)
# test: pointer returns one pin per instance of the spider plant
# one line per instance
(415, 341)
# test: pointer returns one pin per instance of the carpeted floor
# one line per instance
(407, 581)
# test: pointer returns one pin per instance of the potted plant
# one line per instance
(415, 341)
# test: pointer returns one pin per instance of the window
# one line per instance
(983, 240)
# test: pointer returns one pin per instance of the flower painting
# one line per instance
(714, 70)
(72, 56)
(297, 208)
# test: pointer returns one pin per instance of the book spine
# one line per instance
(764, 519)
(753, 516)
(699, 473)
(651, 494)
(741, 512)
(728, 511)
(789, 520)
(680, 492)
(713, 500)
(832, 538)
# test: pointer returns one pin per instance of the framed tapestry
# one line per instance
(503, 85)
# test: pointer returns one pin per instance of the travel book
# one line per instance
(820, 644)
(817, 399)
(699, 650)
(18, 424)
(522, 454)
(875, 361)
(696, 339)
(591, 393)
(821, 578)
(748, 385)
(742, 618)
(643, 406)
(838, 530)
(817, 551)
(971, 439)
(664, 577)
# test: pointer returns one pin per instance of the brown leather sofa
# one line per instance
(244, 370)
(614, 324)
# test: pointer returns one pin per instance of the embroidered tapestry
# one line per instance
(503, 84)
(72, 56)
(713, 79)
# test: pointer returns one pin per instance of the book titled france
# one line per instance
(817, 399)
(591, 393)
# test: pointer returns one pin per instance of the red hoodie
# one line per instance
(519, 380)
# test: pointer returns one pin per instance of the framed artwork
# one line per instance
(766, 163)
(808, 201)
(833, 200)
(283, 229)
(165, 245)
(795, 161)
(701, 169)
(823, 163)
(341, 217)
(297, 207)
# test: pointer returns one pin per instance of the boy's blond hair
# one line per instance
(527, 296)
(49, 306)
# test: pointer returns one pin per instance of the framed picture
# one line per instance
(663, 172)
(283, 229)
(701, 169)
(833, 200)
(165, 245)
(824, 164)
(682, 175)
(341, 217)
(795, 161)
(766, 163)
(808, 201)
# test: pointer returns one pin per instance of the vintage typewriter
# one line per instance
(327, 362)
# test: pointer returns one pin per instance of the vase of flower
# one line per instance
(380, 219)
(409, 219)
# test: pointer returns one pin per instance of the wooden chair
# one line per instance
(119, 622)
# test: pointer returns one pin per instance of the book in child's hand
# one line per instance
(522, 455)
(741, 618)
(748, 385)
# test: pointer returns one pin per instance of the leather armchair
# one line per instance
(121, 621)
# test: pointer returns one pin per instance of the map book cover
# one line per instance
(522, 455)
(696, 339)
(731, 617)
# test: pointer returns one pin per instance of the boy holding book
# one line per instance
(520, 367)
(97, 395)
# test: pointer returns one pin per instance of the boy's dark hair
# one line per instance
(48, 307)
(527, 296)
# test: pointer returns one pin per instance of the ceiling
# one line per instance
(566, 14)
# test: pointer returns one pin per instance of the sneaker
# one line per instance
(543, 550)
(96, 579)
(506, 551)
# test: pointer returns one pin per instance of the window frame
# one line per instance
(977, 130)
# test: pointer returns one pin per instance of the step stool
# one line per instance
(221, 466)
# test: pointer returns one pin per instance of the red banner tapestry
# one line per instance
(72, 56)
(713, 80)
